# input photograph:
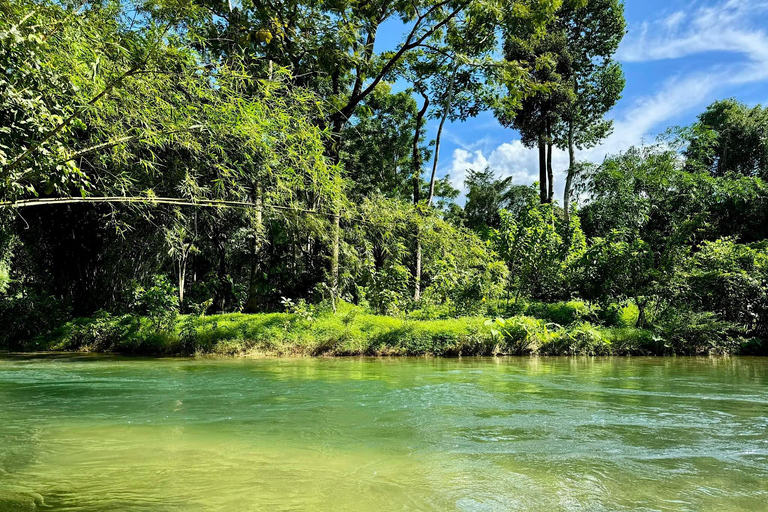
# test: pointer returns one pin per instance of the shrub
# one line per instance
(585, 339)
(687, 332)
(101, 333)
(634, 341)
(730, 280)
(159, 303)
(621, 315)
(303, 311)
(188, 332)
(389, 293)
(562, 313)
(522, 334)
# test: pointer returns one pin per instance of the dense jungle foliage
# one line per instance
(212, 159)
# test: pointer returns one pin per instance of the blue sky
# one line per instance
(678, 57)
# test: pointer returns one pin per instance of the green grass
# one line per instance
(280, 334)
(353, 331)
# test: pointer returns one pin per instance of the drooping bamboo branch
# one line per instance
(205, 203)
(121, 140)
(78, 110)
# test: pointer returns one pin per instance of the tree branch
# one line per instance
(410, 43)
(34, 147)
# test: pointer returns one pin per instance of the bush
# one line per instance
(562, 313)
(159, 303)
(585, 339)
(634, 341)
(539, 249)
(303, 311)
(522, 334)
(188, 332)
(691, 333)
(730, 280)
(620, 315)
(439, 338)
(101, 333)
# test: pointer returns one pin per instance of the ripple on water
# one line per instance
(98, 433)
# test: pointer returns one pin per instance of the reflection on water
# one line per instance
(99, 433)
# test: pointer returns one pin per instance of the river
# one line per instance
(99, 433)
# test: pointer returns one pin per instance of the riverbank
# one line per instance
(353, 332)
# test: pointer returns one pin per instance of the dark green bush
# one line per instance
(159, 303)
(101, 333)
(28, 315)
(691, 333)
(585, 339)
(562, 313)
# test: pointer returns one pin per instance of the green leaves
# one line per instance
(728, 137)
(540, 249)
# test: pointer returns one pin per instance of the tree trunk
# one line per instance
(446, 109)
(222, 290)
(570, 176)
(417, 271)
(252, 305)
(416, 156)
(416, 197)
(182, 269)
(642, 320)
(335, 261)
(550, 175)
(182, 279)
(335, 155)
(543, 191)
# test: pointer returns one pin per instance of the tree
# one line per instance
(180, 247)
(377, 145)
(486, 196)
(616, 268)
(593, 31)
(540, 249)
(535, 111)
(447, 71)
(576, 83)
(67, 70)
(728, 137)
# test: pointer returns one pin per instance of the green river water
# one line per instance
(94, 433)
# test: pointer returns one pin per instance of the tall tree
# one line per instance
(535, 115)
(593, 31)
(486, 196)
(576, 83)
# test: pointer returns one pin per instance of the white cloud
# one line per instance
(508, 159)
(730, 26)
(674, 20)
(637, 124)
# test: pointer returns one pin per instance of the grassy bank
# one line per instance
(353, 332)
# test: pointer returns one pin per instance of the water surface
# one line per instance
(101, 434)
